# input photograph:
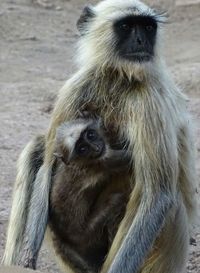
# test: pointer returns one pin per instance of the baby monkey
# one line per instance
(85, 142)
(87, 200)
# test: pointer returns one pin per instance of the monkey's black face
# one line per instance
(90, 144)
(136, 37)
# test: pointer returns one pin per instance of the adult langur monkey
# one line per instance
(123, 76)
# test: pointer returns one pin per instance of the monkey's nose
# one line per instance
(98, 149)
(139, 41)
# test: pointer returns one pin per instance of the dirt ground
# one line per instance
(37, 41)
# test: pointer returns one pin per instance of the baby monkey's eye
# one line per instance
(91, 135)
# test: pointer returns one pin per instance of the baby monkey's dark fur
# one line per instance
(85, 207)
(85, 212)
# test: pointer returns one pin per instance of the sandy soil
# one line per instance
(16, 270)
(37, 41)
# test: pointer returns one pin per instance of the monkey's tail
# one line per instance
(28, 165)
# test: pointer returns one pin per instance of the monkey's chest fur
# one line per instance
(86, 208)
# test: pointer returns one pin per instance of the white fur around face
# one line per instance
(96, 47)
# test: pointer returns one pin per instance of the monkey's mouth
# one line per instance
(138, 56)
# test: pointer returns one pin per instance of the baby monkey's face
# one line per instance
(81, 141)
(91, 144)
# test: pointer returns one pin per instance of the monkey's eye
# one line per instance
(91, 135)
(124, 26)
(83, 149)
(149, 27)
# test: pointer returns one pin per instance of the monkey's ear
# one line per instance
(86, 15)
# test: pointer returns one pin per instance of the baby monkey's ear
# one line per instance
(86, 16)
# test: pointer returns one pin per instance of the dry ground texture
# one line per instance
(14, 269)
(37, 40)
